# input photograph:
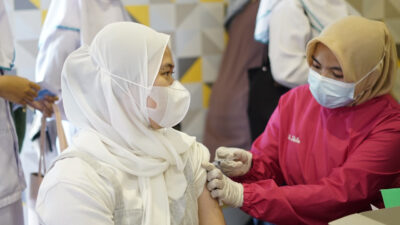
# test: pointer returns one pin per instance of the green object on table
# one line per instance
(391, 197)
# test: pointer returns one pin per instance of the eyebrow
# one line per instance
(315, 60)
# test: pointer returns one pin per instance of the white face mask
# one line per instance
(332, 93)
(172, 104)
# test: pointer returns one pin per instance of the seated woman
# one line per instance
(126, 165)
(330, 146)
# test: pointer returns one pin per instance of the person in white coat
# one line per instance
(20, 91)
(287, 26)
(69, 24)
(127, 165)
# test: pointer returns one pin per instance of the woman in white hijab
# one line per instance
(126, 165)
(69, 24)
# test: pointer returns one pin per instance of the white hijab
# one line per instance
(105, 88)
(319, 12)
(6, 41)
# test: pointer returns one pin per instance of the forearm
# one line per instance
(330, 198)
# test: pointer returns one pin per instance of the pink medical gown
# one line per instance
(313, 164)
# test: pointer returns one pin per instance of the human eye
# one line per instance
(338, 76)
(316, 66)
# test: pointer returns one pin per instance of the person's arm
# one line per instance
(209, 210)
(17, 89)
(350, 188)
(21, 91)
(60, 36)
(290, 31)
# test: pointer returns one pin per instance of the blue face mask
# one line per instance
(331, 93)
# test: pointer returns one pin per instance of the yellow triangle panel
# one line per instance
(206, 95)
(140, 13)
(193, 74)
(36, 3)
(44, 14)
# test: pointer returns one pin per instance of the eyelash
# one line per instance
(337, 76)
(168, 73)
(316, 66)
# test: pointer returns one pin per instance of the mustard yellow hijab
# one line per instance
(359, 44)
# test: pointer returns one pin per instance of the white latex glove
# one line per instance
(233, 161)
(222, 187)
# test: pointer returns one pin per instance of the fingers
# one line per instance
(240, 156)
(22, 102)
(231, 164)
(35, 105)
(208, 166)
(215, 184)
(216, 193)
(222, 153)
(34, 86)
(214, 174)
(50, 99)
(48, 108)
(28, 99)
(31, 93)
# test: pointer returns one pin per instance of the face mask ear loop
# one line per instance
(367, 75)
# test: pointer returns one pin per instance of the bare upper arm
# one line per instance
(209, 210)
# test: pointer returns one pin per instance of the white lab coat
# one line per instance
(7, 54)
(68, 25)
(12, 181)
(79, 191)
(290, 29)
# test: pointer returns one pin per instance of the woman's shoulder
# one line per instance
(383, 109)
(72, 169)
(69, 190)
(71, 175)
(198, 153)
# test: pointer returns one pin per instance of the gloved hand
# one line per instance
(233, 161)
(223, 188)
